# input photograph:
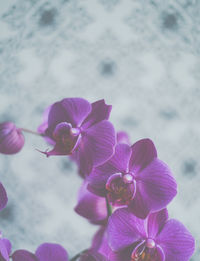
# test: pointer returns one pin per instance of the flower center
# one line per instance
(121, 189)
(145, 251)
(66, 136)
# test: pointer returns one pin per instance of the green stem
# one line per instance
(78, 255)
(109, 208)
(32, 132)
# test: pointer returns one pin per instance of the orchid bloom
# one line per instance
(155, 239)
(76, 127)
(45, 252)
(11, 138)
(134, 176)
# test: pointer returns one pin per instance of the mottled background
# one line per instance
(142, 56)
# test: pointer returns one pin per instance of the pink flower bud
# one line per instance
(11, 138)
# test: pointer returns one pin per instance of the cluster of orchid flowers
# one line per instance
(125, 189)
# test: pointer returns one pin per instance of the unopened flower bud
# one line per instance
(11, 138)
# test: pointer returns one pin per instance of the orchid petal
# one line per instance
(71, 110)
(100, 111)
(143, 153)
(91, 206)
(158, 187)
(96, 146)
(23, 255)
(124, 229)
(51, 252)
(4, 256)
(176, 241)
(156, 221)
(7, 245)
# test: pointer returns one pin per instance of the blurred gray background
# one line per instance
(141, 56)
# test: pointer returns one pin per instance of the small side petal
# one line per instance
(156, 221)
(3, 197)
(51, 252)
(96, 146)
(176, 241)
(124, 229)
(23, 255)
(91, 206)
(100, 111)
(143, 153)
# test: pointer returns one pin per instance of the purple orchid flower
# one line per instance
(45, 252)
(3, 197)
(79, 128)
(5, 248)
(91, 206)
(155, 239)
(134, 176)
(11, 138)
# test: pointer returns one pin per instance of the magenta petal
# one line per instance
(4, 255)
(3, 197)
(123, 138)
(71, 110)
(51, 252)
(7, 245)
(96, 146)
(143, 153)
(176, 241)
(139, 206)
(91, 206)
(100, 242)
(156, 221)
(157, 185)
(120, 159)
(124, 229)
(23, 255)
(100, 111)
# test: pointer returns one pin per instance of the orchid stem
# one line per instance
(78, 255)
(109, 207)
(32, 132)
